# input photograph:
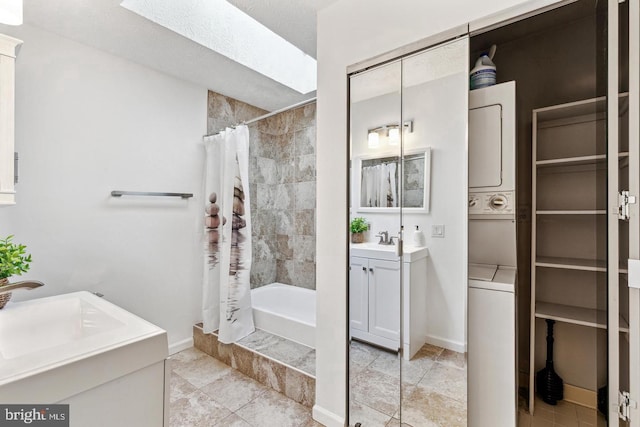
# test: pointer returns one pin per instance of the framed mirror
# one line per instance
(377, 185)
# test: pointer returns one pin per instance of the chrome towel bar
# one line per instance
(117, 193)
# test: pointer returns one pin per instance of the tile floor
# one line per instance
(564, 414)
(207, 393)
(434, 387)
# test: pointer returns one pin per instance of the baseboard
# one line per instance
(457, 346)
(581, 396)
(327, 418)
(180, 345)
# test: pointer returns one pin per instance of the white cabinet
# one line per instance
(374, 300)
(8, 47)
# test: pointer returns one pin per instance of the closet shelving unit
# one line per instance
(569, 201)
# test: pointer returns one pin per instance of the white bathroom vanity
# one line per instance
(78, 349)
(375, 295)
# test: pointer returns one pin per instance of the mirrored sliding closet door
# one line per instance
(407, 291)
(375, 265)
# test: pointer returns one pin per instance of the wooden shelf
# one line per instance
(587, 212)
(582, 160)
(576, 264)
(576, 161)
(579, 108)
(569, 177)
(572, 263)
(576, 315)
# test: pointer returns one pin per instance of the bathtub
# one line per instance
(81, 350)
(287, 311)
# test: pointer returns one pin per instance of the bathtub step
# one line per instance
(283, 365)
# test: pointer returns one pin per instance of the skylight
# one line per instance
(225, 29)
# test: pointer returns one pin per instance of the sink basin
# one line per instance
(388, 252)
(36, 327)
(39, 334)
(80, 350)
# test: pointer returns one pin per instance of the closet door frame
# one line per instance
(617, 403)
(634, 190)
(613, 233)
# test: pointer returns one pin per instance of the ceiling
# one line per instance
(105, 25)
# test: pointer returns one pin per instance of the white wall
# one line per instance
(87, 123)
(350, 31)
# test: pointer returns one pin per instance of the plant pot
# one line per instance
(4, 298)
(357, 237)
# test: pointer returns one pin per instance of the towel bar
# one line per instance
(117, 193)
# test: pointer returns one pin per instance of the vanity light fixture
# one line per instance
(392, 132)
(394, 135)
(11, 12)
(373, 138)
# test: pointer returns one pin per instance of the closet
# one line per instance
(573, 165)
(577, 173)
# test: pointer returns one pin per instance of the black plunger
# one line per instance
(549, 384)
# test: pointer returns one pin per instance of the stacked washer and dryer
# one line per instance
(492, 331)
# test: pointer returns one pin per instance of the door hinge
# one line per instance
(624, 200)
(625, 404)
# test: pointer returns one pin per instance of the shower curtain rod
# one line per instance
(273, 113)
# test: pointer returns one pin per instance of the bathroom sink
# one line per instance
(43, 333)
(388, 252)
(36, 327)
(81, 350)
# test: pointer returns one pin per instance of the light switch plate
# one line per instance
(437, 231)
(634, 273)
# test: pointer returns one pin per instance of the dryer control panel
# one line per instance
(492, 203)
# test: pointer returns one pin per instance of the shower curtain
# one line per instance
(226, 293)
(378, 186)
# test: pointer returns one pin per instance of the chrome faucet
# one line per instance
(26, 284)
(385, 239)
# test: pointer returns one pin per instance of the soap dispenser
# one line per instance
(418, 238)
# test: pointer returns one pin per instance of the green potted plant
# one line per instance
(358, 227)
(13, 262)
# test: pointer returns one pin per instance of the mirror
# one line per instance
(374, 282)
(407, 308)
(377, 185)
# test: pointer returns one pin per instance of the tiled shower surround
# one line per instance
(282, 182)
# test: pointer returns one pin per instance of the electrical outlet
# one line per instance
(437, 231)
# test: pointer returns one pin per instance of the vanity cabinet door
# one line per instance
(7, 117)
(359, 294)
(384, 299)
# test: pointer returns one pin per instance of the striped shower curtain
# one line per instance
(226, 292)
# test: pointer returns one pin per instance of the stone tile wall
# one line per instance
(282, 182)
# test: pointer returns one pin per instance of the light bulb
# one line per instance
(394, 136)
(373, 139)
